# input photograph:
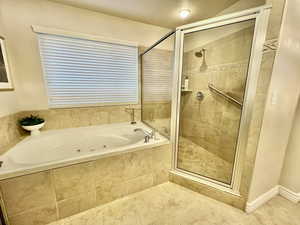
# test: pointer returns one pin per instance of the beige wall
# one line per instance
(23, 46)
(242, 5)
(8, 103)
(290, 176)
(8, 99)
(281, 102)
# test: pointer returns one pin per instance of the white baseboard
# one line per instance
(288, 194)
(283, 191)
(251, 206)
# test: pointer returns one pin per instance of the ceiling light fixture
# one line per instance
(184, 13)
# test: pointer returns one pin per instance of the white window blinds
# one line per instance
(157, 68)
(85, 72)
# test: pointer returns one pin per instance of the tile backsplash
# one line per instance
(10, 132)
(80, 117)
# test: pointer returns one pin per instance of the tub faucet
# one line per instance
(148, 135)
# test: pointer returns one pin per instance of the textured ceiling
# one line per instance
(164, 13)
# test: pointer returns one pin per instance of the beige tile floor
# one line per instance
(170, 204)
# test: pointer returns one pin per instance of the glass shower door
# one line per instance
(214, 76)
(156, 77)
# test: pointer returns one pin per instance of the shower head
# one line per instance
(201, 54)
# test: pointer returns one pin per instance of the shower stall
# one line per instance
(214, 68)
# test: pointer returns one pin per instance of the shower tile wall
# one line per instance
(212, 124)
(157, 114)
(40, 198)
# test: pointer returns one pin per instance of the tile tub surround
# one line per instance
(10, 132)
(87, 116)
(170, 204)
(63, 147)
(41, 198)
(158, 116)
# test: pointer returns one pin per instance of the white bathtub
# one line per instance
(56, 148)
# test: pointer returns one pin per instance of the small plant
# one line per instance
(31, 120)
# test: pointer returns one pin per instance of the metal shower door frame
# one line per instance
(260, 15)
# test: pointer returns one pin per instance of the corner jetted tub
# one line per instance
(56, 148)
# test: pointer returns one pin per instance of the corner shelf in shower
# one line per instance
(186, 91)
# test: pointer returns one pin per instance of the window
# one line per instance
(157, 75)
(87, 72)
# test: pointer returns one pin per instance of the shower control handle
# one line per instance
(200, 95)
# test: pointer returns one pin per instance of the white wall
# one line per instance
(290, 176)
(280, 107)
(19, 15)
